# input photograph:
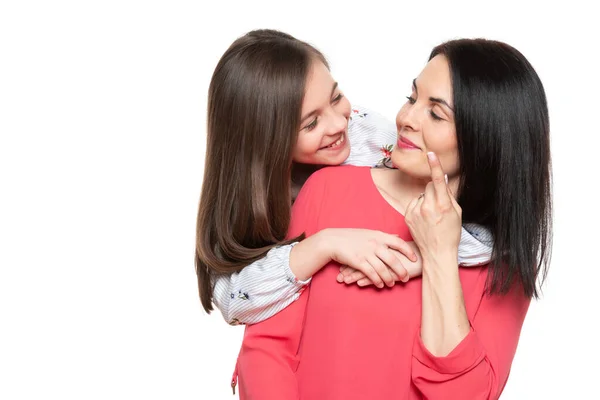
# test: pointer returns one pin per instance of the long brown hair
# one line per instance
(254, 110)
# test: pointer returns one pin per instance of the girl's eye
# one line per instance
(311, 126)
(411, 99)
(337, 98)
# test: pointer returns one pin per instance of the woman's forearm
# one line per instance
(444, 321)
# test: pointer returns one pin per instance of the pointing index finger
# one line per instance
(438, 177)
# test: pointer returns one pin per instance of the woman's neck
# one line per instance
(399, 189)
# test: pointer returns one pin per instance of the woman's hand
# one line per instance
(435, 218)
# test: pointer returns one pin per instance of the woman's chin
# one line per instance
(399, 162)
(413, 168)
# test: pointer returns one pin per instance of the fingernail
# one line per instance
(340, 278)
(446, 177)
(406, 278)
(431, 155)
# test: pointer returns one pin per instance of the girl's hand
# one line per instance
(372, 253)
(350, 275)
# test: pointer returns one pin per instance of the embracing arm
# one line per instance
(260, 290)
(267, 286)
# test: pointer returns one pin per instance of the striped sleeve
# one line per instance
(476, 244)
(371, 136)
(260, 290)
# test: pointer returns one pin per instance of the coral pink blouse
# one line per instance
(345, 342)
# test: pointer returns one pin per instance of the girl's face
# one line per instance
(426, 123)
(323, 137)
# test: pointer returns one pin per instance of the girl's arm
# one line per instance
(269, 285)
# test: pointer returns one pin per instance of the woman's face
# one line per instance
(426, 123)
(323, 136)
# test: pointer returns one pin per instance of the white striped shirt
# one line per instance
(267, 286)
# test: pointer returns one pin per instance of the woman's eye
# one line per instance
(435, 116)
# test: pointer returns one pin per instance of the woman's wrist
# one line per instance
(444, 320)
(443, 261)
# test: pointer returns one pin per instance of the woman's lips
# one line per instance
(404, 143)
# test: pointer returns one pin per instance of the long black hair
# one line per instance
(503, 135)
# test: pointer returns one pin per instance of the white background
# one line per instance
(102, 122)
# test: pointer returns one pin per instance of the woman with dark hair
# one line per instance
(275, 115)
(478, 114)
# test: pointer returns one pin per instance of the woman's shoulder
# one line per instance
(331, 188)
(339, 177)
(340, 171)
(334, 191)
